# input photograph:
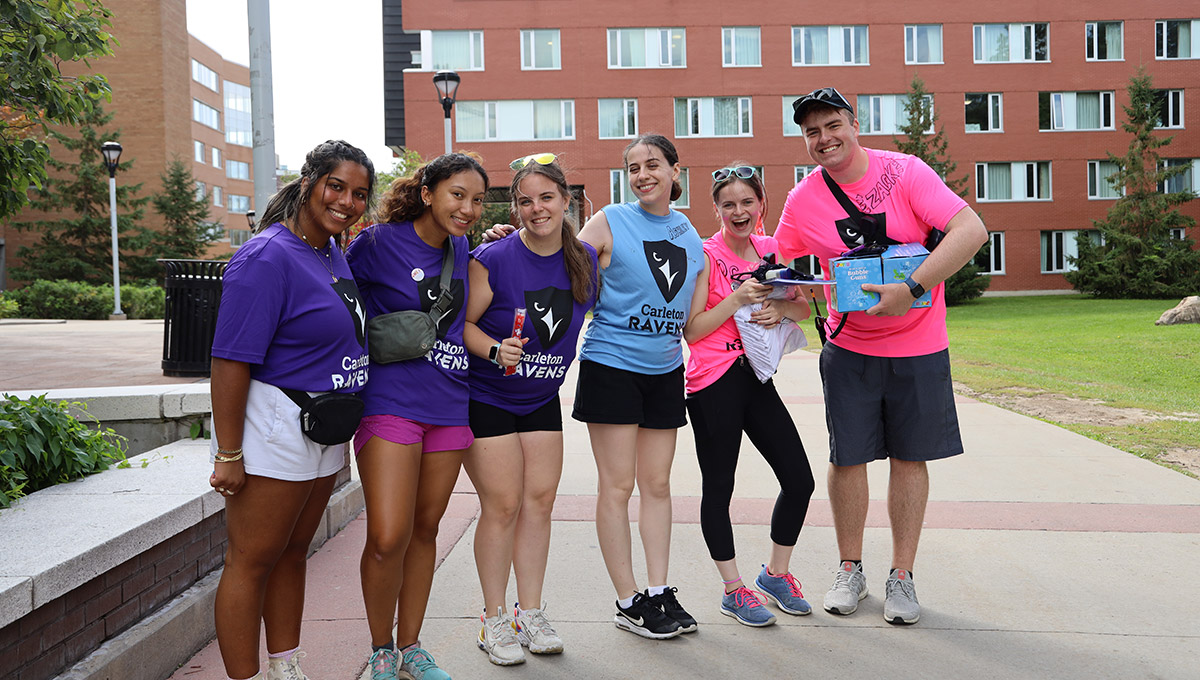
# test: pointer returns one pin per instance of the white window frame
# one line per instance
(234, 208)
(629, 106)
(198, 154)
(1091, 40)
(216, 157)
(1063, 111)
(1178, 233)
(1020, 184)
(229, 165)
(836, 42)
(809, 264)
(205, 76)
(1022, 40)
(657, 45)
(996, 256)
(500, 114)
(1195, 172)
(889, 107)
(1095, 181)
(729, 54)
(528, 35)
(474, 55)
(910, 44)
(995, 109)
(790, 127)
(701, 111)
(238, 237)
(201, 190)
(1174, 101)
(1160, 42)
(618, 186)
(685, 199)
(1058, 245)
(799, 172)
(199, 109)
(218, 196)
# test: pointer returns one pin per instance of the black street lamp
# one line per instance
(112, 156)
(446, 83)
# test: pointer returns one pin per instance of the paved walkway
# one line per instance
(1044, 555)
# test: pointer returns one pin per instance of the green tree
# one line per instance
(403, 166)
(1136, 257)
(35, 39)
(187, 228)
(967, 283)
(77, 244)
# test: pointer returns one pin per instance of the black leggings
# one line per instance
(737, 401)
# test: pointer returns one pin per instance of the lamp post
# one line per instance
(446, 83)
(112, 154)
(250, 220)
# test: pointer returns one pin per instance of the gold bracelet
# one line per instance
(228, 455)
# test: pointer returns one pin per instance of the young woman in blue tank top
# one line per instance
(517, 458)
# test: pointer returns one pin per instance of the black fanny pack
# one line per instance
(329, 418)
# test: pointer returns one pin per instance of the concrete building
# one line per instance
(173, 97)
(1029, 95)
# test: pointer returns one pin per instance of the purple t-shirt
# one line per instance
(395, 271)
(521, 278)
(282, 314)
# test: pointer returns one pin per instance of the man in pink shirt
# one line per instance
(886, 372)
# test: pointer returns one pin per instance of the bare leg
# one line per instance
(655, 453)
(543, 469)
(848, 498)
(495, 465)
(908, 492)
(729, 574)
(615, 450)
(781, 558)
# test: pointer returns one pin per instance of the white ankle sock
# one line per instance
(656, 590)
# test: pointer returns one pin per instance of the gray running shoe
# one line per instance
(901, 606)
(849, 587)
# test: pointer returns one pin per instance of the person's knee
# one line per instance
(502, 510)
(539, 502)
(656, 487)
(616, 490)
(908, 468)
(425, 528)
(389, 544)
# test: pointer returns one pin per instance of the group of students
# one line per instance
(294, 318)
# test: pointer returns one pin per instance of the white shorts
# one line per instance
(273, 444)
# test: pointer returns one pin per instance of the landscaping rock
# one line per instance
(1187, 311)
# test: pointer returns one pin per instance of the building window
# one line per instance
(1104, 41)
(238, 127)
(790, 127)
(198, 150)
(1170, 108)
(216, 157)
(830, 46)
(540, 49)
(1099, 184)
(741, 46)
(985, 112)
(1177, 39)
(1006, 43)
(992, 262)
(1178, 233)
(205, 115)
(237, 170)
(1060, 247)
(1021, 181)
(618, 118)
(923, 44)
(809, 264)
(619, 191)
(516, 120)
(802, 171)
(452, 50)
(239, 204)
(884, 114)
(218, 196)
(647, 48)
(1181, 181)
(201, 191)
(713, 117)
(238, 237)
(204, 75)
(1075, 110)
(684, 200)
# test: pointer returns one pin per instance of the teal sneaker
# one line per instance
(784, 591)
(384, 664)
(744, 605)
(418, 664)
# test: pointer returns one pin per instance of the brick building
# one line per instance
(172, 98)
(1029, 95)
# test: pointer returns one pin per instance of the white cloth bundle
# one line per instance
(765, 347)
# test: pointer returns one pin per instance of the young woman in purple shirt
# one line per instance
(516, 460)
(411, 441)
(288, 320)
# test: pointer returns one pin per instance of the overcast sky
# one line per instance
(327, 59)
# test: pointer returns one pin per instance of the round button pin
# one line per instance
(418, 274)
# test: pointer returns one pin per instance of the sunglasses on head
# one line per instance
(827, 95)
(539, 158)
(742, 171)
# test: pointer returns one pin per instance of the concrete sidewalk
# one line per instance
(1044, 555)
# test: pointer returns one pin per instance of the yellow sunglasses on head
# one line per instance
(539, 158)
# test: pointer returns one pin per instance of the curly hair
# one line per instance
(402, 201)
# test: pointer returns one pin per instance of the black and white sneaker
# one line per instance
(670, 606)
(645, 619)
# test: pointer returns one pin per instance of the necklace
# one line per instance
(328, 256)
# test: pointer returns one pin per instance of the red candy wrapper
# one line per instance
(518, 326)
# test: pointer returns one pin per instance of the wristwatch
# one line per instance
(915, 288)
(494, 354)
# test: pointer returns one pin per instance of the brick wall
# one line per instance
(53, 637)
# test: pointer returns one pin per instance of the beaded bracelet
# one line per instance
(228, 455)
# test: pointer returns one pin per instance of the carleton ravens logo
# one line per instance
(550, 310)
(429, 289)
(347, 292)
(868, 229)
(668, 264)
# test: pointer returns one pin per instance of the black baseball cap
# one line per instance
(826, 95)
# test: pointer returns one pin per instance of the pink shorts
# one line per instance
(404, 431)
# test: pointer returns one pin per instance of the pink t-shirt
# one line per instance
(710, 356)
(915, 200)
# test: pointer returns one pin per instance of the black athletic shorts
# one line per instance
(493, 421)
(615, 396)
(888, 407)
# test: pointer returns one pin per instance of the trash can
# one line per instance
(193, 292)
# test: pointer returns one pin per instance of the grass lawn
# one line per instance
(1090, 349)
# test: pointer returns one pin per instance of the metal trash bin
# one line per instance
(193, 294)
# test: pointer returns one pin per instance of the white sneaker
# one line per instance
(286, 669)
(901, 606)
(535, 632)
(849, 587)
(498, 637)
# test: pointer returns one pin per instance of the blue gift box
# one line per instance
(893, 266)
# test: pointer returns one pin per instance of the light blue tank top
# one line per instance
(646, 291)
